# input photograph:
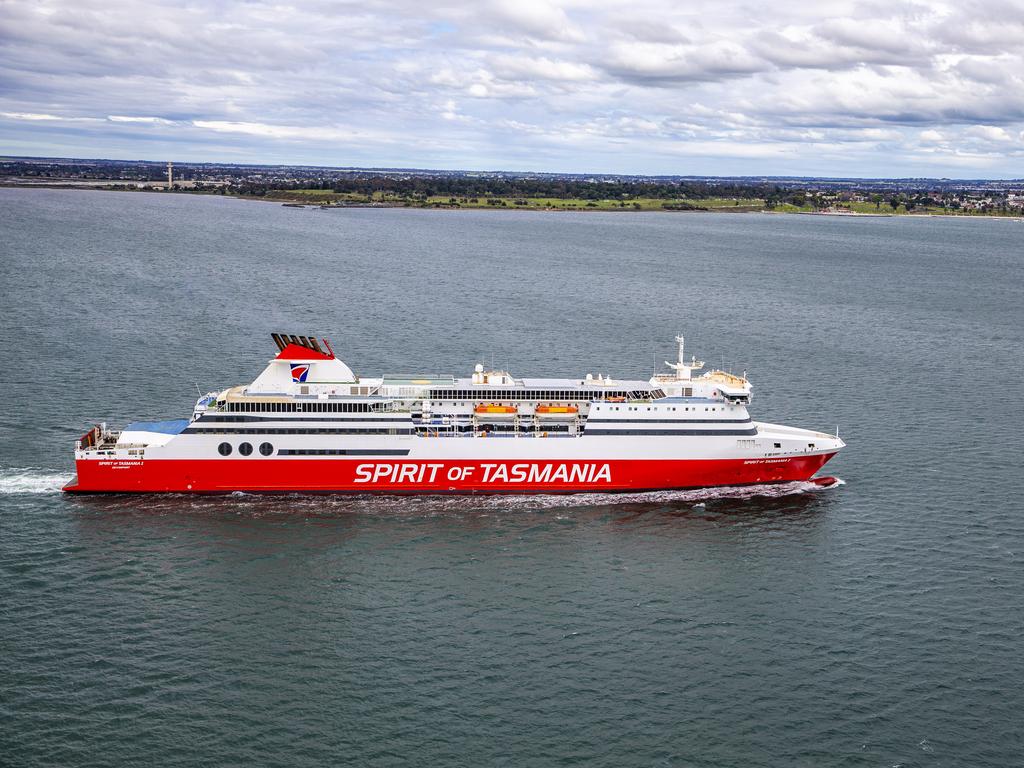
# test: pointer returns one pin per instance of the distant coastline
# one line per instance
(559, 205)
(334, 188)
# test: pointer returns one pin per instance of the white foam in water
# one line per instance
(697, 496)
(31, 480)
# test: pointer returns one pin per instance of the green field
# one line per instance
(327, 197)
(887, 210)
(557, 204)
(722, 204)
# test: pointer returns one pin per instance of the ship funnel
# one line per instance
(310, 342)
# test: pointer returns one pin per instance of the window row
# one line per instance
(225, 449)
(659, 408)
(311, 407)
(340, 452)
(236, 418)
(478, 395)
(282, 431)
(712, 432)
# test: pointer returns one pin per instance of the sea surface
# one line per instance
(878, 623)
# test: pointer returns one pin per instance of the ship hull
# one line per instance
(412, 476)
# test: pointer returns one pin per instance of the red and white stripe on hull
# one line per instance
(396, 476)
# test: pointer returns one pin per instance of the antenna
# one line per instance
(683, 369)
(201, 391)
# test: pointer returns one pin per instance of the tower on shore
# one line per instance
(170, 174)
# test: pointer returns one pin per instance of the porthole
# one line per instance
(224, 449)
(245, 448)
(266, 449)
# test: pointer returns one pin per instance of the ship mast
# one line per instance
(683, 369)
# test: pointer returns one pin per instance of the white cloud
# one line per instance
(537, 19)
(138, 119)
(989, 133)
(651, 63)
(704, 86)
(29, 116)
(44, 117)
(286, 132)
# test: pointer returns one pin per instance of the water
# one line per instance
(878, 623)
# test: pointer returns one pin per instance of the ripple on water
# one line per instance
(870, 625)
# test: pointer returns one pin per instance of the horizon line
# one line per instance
(392, 169)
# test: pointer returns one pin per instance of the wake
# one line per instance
(29, 480)
(693, 496)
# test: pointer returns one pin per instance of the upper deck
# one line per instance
(303, 378)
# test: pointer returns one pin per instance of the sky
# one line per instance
(790, 87)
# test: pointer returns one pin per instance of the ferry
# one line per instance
(309, 424)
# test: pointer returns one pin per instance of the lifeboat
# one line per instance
(490, 409)
(557, 410)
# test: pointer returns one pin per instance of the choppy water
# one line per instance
(877, 623)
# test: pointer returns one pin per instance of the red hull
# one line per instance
(309, 475)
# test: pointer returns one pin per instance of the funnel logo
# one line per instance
(299, 372)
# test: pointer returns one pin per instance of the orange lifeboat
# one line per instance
(557, 409)
(490, 409)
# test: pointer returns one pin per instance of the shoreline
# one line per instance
(290, 202)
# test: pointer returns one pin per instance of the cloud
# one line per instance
(29, 116)
(989, 133)
(649, 63)
(38, 116)
(139, 119)
(537, 19)
(889, 36)
(708, 86)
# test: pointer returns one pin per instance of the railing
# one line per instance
(489, 435)
(728, 378)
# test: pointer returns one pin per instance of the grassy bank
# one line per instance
(719, 204)
(326, 197)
